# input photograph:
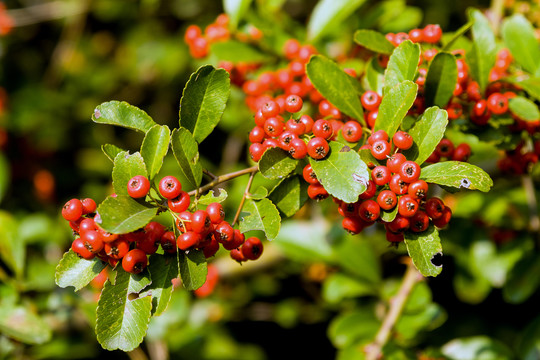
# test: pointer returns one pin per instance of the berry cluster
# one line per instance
(394, 185)
(199, 42)
(447, 150)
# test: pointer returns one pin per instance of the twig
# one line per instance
(137, 354)
(222, 178)
(45, 12)
(532, 202)
(397, 304)
(495, 14)
(246, 193)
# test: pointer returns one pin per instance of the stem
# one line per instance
(137, 354)
(495, 14)
(246, 193)
(222, 178)
(532, 202)
(397, 304)
(209, 174)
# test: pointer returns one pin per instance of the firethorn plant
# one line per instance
(373, 141)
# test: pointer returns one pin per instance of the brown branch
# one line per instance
(397, 304)
(223, 178)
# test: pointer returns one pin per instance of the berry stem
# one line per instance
(222, 178)
(246, 193)
(397, 304)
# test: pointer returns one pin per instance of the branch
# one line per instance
(246, 193)
(222, 178)
(532, 203)
(397, 304)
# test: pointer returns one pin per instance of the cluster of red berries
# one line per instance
(393, 184)
(430, 34)
(447, 150)
(199, 42)
(519, 160)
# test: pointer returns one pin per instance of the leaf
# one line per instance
(457, 174)
(427, 132)
(261, 215)
(121, 316)
(394, 106)
(456, 36)
(402, 64)
(22, 324)
(186, 152)
(111, 151)
(389, 215)
(374, 41)
(519, 37)
(122, 214)
(422, 247)
(12, 249)
(236, 9)
(276, 163)
(163, 269)
(342, 173)
(312, 246)
(352, 328)
(154, 148)
(193, 269)
(77, 272)
(374, 76)
(203, 101)
(441, 79)
(482, 55)
(520, 285)
(531, 86)
(339, 286)
(477, 348)
(238, 52)
(120, 113)
(335, 85)
(290, 195)
(328, 13)
(524, 108)
(125, 167)
(211, 197)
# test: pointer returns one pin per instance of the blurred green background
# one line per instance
(319, 290)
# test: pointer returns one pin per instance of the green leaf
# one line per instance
(111, 151)
(236, 9)
(374, 76)
(358, 258)
(186, 152)
(531, 86)
(125, 167)
(368, 158)
(456, 36)
(237, 52)
(122, 214)
(290, 195)
(193, 269)
(276, 163)
(120, 113)
(77, 272)
(441, 79)
(402, 64)
(211, 197)
(339, 286)
(482, 56)
(335, 85)
(203, 101)
(342, 173)
(524, 108)
(457, 174)
(122, 317)
(12, 249)
(154, 148)
(163, 269)
(22, 324)
(351, 328)
(312, 246)
(261, 215)
(389, 215)
(374, 41)
(422, 247)
(519, 37)
(477, 348)
(394, 106)
(329, 13)
(520, 285)
(427, 132)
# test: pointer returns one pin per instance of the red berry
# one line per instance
(369, 210)
(273, 126)
(200, 222)
(87, 224)
(188, 240)
(416, 35)
(81, 250)
(117, 249)
(381, 175)
(210, 248)
(318, 148)
(180, 203)
(394, 162)
(322, 128)
(308, 122)
(224, 232)
(497, 103)
(257, 134)
(419, 222)
(394, 237)
(352, 131)
(317, 192)
(352, 224)
(445, 148)
(293, 103)
(295, 126)
(215, 212)
(256, 150)
(135, 261)
(399, 224)
(377, 135)
(407, 206)
(380, 149)
(309, 175)
(387, 199)
(291, 48)
(138, 186)
(183, 221)
(88, 206)
(432, 33)
(434, 207)
(462, 152)
(252, 248)
(370, 100)
(397, 185)
(92, 241)
(270, 109)
(72, 210)
(170, 187)
(168, 242)
(148, 244)
(237, 255)
(371, 189)
(444, 219)
(409, 171)
(402, 140)
(418, 189)
(298, 149)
